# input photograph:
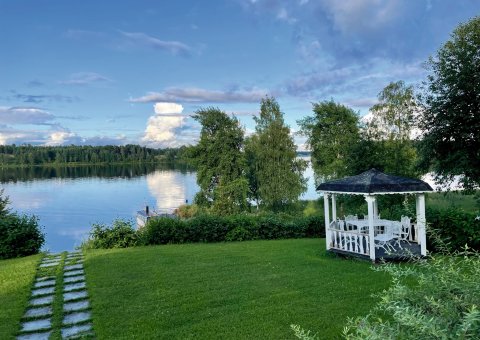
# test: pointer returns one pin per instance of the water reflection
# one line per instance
(97, 171)
(168, 188)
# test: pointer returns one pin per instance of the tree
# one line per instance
(331, 134)
(389, 132)
(220, 162)
(451, 119)
(276, 173)
(4, 202)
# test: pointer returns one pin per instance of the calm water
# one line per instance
(68, 200)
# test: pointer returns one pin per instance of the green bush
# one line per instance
(437, 298)
(121, 234)
(164, 230)
(19, 236)
(455, 227)
(212, 228)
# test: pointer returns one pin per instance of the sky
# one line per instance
(133, 72)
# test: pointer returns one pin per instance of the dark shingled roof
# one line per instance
(374, 181)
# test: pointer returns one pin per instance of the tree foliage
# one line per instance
(54, 155)
(275, 173)
(387, 142)
(451, 119)
(220, 162)
(331, 133)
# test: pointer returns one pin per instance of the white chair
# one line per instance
(384, 240)
(350, 218)
(404, 232)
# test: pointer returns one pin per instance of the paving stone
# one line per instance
(73, 266)
(74, 295)
(43, 278)
(75, 330)
(74, 255)
(43, 291)
(74, 286)
(76, 306)
(44, 283)
(47, 265)
(38, 312)
(76, 317)
(73, 261)
(71, 279)
(74, 273)
(35, 336)
(36, 325)
(44, 300)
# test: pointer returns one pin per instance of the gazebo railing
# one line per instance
(349, 241)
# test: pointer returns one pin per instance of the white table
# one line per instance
(362, 224)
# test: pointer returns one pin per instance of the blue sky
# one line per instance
(104, 72)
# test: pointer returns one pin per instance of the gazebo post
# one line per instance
(327, 219)
(421, 223)
(371, 232)
(375, 209)
(334, 207)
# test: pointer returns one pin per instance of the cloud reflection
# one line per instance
(168, 189)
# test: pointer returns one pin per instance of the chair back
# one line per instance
(406, 226)
(351, 217)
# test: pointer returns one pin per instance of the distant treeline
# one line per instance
(42, 155)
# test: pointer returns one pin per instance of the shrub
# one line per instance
(187, 211)
(455, 227)
(164, 230)
(121, 234)
(437, 298)
(19, 236)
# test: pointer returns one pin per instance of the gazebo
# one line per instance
(372, 236)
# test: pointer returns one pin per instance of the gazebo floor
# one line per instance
(406, 251)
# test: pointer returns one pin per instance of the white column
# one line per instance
(327, 219)
(371, 232)
(421, 223)
(334, 207)
(375, 209)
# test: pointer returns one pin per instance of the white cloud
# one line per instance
(174, 47)
(85, 78)
(24, 115)
(161, 128)
(199, 95)
(162, 108)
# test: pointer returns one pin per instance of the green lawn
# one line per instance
(245, 290)
(16, 279)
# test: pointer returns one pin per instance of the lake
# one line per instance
(69, 200)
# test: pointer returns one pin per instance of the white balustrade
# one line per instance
(350, 241)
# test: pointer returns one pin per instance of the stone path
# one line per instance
(37, 322)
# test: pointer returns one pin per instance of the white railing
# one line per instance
(351, 241)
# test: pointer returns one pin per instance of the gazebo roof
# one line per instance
(375, 182)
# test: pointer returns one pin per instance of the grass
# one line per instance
(238, 290)
(16, 279)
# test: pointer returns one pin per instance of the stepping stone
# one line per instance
(35, 336)
(36, 325)
(76, 306)
(73, 261)
(71, 279)
(44, 283)
(75, 330)
(74, 266)
(76, 317)
(43, 278)
(74, 273)
(38, 312)
(46, 265)
(43, 291)
(75, 295)
(74, 255)
(74, 286)
(44, 300)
